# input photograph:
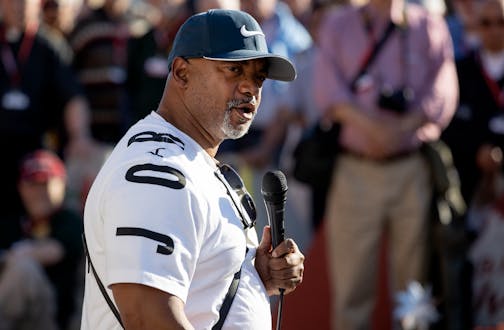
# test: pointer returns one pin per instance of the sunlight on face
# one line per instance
(42, 198)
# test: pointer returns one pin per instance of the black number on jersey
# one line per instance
(166, 249)
(132, 175)
(158, 137)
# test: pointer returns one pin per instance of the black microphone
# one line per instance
(274, 191)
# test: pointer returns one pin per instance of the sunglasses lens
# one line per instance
(232, 177)
(249, 206)
(246, 201)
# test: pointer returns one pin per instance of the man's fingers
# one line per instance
(265, 244)
(288, 284)
(287, 246)
(288, 273)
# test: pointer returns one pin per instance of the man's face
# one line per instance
(490, 22)
(224, 95)
(42, 198)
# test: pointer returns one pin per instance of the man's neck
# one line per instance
(168, 111)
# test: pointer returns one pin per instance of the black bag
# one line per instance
(315, 154)
(448, 203)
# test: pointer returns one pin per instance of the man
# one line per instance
(166, 232)
(381, 182)
(51, 27)
(481, 79)
(99, 43)
(147, 56)
(462, 26)
(478, 156)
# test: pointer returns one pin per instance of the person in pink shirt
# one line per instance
(381, 182)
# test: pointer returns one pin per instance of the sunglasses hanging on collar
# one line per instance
(241, 198)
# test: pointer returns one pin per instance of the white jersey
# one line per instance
(158, 215)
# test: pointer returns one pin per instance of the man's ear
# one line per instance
(179, 71)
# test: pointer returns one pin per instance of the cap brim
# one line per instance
(279, 67)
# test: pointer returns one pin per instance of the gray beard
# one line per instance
(229, 131)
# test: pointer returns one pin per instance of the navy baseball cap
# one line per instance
(228, 35)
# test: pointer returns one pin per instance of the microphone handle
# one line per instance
(276, 217)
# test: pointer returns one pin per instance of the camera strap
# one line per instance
(373, 52)
(223, 312)
(100, 284)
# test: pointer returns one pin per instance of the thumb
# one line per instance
(265, 245)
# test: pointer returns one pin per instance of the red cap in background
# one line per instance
(41, 165)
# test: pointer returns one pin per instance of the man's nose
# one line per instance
(249, 87)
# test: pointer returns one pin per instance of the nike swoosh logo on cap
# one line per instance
(246, 33)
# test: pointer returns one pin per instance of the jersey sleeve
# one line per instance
(152, 228)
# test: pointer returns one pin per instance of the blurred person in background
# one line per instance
(50, 27)
(462, 26)
(99, 42)
(478, 155)
(381, 183)
(302, 113)
(38, 94)
(147, 67)
(46, 233)
(481, 80)
(61, 15)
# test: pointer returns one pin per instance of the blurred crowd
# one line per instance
(395, 75)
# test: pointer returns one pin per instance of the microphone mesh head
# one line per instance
(274, 182)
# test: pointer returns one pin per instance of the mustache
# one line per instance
(237, 102)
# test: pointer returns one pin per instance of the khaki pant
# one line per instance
(366, 199)
(26, 297)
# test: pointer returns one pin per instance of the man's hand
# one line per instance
(281, 268)
(384, 134)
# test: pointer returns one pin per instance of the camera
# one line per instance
(395, 100)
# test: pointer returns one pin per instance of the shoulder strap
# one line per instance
(228, 300)
(100, 284)
(223, 312)
(372, 54)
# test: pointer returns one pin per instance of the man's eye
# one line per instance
(260, 80)
(234, 68)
